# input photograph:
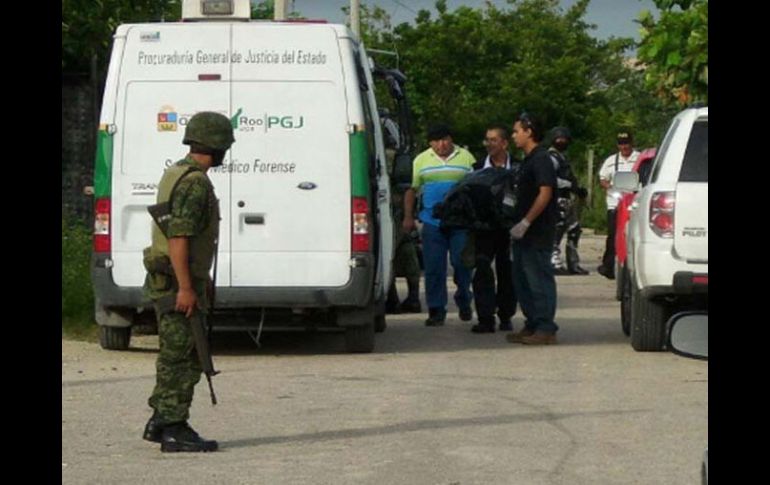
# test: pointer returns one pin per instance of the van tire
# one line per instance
(648, 322)
(360, 339)
(114, 338)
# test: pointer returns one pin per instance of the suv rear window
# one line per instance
(695, 167)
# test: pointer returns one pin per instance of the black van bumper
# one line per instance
(357, 292)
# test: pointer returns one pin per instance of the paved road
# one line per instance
(429, 406)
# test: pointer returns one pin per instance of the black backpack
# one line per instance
(482, 200)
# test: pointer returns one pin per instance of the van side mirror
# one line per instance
(626, 181)
(402, 170)
(688, 335)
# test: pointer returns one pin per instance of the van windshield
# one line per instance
(695, 167)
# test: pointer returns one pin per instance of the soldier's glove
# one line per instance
(582, 192)
(518, 231)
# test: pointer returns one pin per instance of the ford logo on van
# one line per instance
(307, 186)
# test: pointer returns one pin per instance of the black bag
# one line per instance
(482, 200)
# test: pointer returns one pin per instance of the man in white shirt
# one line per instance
(622, 161)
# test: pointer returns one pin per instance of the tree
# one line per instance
(471, 67)
(88, 26)
(675, 50)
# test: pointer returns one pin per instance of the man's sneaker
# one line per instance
(578, 270)
(506, 325)
(560, 271)
(516, 338)
(539, 338)
(466, 314)
(485, 326)
(181, 437)
(410, 306)
(607, 273)
(436, 317)
(153, 430)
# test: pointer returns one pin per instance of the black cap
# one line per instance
(438, 132)
(625, 137)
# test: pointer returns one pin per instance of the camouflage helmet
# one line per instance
(212, 130)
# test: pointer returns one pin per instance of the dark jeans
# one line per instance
(535, 286)
(435, 245)
(493, 245)
(608, 259)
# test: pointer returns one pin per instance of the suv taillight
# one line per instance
(662, 205)
(360, 225)
(102, 226)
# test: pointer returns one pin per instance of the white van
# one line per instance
(304, 191)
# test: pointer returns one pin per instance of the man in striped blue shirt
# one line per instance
(434, 172)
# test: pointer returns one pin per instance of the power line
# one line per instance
(405, 6)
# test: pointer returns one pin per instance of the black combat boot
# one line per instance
(577, 269)
(153, 430)
(181, 437)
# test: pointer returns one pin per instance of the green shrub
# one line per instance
(594, 216)
(77, 302)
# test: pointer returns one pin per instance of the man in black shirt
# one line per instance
(494, 244)
(533, 236)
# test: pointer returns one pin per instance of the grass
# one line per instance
(77, 303)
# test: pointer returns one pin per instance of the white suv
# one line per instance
(667, 235)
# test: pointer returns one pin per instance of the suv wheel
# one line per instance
(625, 301)
(648, 322)
(619, 282)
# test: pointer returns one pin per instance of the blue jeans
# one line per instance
(535, 286)
(435, 245)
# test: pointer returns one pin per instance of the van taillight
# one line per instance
(102, 226)
(360, 225)
(662, 205)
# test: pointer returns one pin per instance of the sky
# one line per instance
(611, 17)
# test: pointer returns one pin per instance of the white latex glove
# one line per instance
(518, 231)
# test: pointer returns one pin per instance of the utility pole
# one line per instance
(355, 17)
(279, 10)
(590, 184)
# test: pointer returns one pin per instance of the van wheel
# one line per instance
(648, 322)
(625, 301)
(360, 339)
(114, 338)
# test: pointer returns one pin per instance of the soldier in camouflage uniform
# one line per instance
(178, 279)
(570, 198)
(405, 261)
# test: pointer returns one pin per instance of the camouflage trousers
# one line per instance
(178, 369)
(405, 260)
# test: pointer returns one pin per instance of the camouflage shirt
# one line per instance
(194, 215)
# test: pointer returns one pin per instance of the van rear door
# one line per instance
(168, 73)
(691, 216)
(290, 198)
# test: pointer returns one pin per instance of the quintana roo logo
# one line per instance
(168, 119)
